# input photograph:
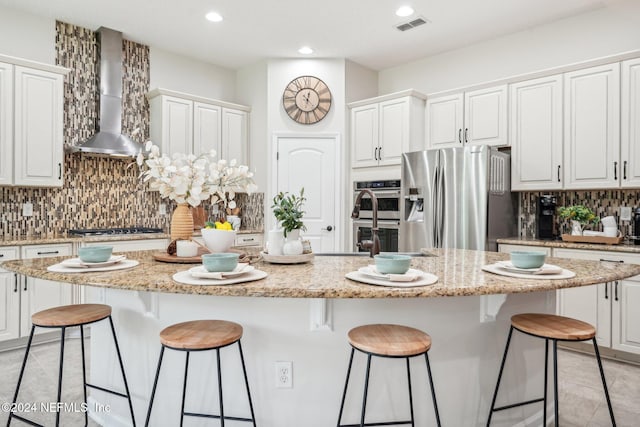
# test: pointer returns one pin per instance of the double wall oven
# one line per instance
(388, 195)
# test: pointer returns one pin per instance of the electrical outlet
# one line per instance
(284, 374)
(625, 213)
(27, 209)
(162, 209)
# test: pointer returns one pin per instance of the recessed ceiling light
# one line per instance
(305, 50)
(213, 17)
(404, 11)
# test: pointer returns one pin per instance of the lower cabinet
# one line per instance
(9, 297)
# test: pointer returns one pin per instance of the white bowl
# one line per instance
(218, 240)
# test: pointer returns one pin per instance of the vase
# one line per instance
(576, 228)
(292, 244)
(218, 240)
(275, 241)
(181, 222)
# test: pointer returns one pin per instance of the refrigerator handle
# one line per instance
(434, 208)
(440, 204)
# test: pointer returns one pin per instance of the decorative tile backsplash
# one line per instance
(602, 202)
(97, 191)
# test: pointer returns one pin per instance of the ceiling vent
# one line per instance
(411, 24)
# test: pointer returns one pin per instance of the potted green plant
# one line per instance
(579, 215)
(287, 208)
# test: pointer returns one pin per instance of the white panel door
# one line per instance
(630, 123)
(177, 125)
(311, 163)
(364, 136)
(444, 121)
(536, 134)
(592, 127)
(234, 135)
(6, 124)
(38, 128)
(394, 133)
(9, 297)
(485, 116)
(207, 128)
(626, 316)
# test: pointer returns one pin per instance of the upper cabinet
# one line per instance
(182, 123)
(31, 120)
(630, 123)
(535, 133)
(383, 128)
(592, 127)
(477, 117)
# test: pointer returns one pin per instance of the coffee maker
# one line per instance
(636, 226)
(545, 217)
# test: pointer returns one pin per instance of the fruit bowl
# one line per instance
(218, 240)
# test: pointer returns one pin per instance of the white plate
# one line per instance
(426, 279)
(409, 276)
(500, 270)
(78, 263)
(200, 272)
(545, 269)
(121, 265)
(186, 278)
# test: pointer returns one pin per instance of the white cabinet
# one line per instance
(626, 316)
(535, 133)
(132, 245)
(630, 124)
(592, 127)
(9, 297)
(385, 127)
(31, 120)
(183, 123)
(477, 117)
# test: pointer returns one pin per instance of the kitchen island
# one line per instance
(295, 322)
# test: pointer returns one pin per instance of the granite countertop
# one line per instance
(624, 247)
(459, 273)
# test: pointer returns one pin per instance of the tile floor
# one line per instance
(581, 399)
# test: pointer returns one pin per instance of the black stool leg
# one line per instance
(346, 384)
(24, 364)
(84, 374)
(246, 383)
(410, 394)
(220, 387)
(60, 375)
(604, 382)
(495, 393)
(124, 377)
(155, 384)
(546, 370)
(555, 382)
(366, 389)
(184, 386)
(433, 390)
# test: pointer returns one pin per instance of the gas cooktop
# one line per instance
(115, 231)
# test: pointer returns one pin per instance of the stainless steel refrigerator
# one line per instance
(456, 198)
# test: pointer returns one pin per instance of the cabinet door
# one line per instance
(6, 124)
(395, 132)
(364, 136)
(207, 128)
(39, 294)
(630, 142)
(485, 116)
(444, 121)
(9, 297)
(592, 127)
(535, 129)
(234, 135)
(626, 316)
(177, 125)
(38, 128)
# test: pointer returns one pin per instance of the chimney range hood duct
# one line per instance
(109, 141)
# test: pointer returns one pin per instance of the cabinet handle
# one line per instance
(25, 283)
(379, 153)
(1, 255)
(616, 291)
(460, 135)
(558, 173)
(615, 171)
(375, 154)
(466, 135)
(59, 170)
(48, 252)
(624, 170)
(15, 282)
(606, 290)
(610, 260)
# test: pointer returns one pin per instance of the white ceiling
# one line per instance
(360, 30)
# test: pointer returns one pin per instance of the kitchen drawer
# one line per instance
(249, 239)
(133, 245)
(7, 253)
(45, 251)
(510, 248)
(599, 256)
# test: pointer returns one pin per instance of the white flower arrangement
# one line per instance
(192, 179)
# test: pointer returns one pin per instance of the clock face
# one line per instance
(306, 100)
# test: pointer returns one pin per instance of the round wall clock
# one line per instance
(306, 100)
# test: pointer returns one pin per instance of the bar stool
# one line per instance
(202, 335)
(389, 341)
(554, 328)
(68, 316)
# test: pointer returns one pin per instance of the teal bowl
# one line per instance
(222, 262)
(527, 259)
(392, 263)
(95, 253)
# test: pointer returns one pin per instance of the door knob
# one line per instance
(329, 228)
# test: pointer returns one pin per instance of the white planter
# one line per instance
(218, 240)
(576, 228)
(293, 244)
(275, 241)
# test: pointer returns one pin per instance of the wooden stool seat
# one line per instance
(389, 340)
(201, 334)
(71, 315)
(553, 327)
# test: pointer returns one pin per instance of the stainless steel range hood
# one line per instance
(109, 141)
